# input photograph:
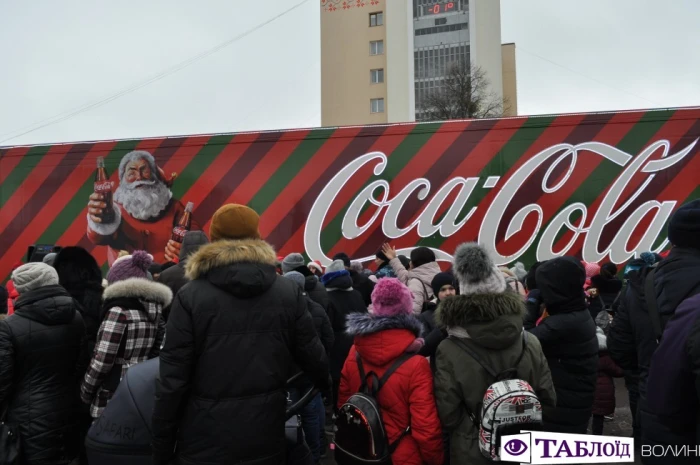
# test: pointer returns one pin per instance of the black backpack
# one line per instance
(360, 436)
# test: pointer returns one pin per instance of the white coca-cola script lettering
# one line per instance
(102, 187)
(619, 250)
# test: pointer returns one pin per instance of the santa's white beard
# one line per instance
(145, 202)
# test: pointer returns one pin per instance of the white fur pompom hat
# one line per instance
(476, 271)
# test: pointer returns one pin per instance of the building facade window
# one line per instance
(432, 66)
(376, 76)
(376, 47)
(376, 19)
(440, 29)
(440, 21)
(376, 105)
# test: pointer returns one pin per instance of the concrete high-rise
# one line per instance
(381, 58)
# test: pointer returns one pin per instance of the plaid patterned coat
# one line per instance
(132, 331)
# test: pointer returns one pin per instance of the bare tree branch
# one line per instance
(465, 93)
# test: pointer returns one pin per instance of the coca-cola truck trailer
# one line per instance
(599, 186)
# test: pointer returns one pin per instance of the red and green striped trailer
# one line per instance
(599, 186)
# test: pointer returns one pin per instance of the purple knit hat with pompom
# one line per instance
(130, 266)
(390, 297)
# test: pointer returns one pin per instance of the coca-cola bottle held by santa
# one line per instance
(184, 224)
(103, 186)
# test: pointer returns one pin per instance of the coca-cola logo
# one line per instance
(102, 187)
(179, 232)
(378, 194)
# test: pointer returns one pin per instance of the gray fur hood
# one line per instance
(363, 324)
(141, 289)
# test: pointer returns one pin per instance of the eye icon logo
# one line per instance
(515, 447)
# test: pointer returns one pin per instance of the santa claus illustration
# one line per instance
(145, 211)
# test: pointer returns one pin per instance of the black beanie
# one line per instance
(442, 279)
(684, 227)
(560, 282)
(344, 257)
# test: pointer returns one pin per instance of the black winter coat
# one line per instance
(363, 285)
(632, 341)
(234, 335)
(174, 278)
(342, 303)
(43, 356)
(432, 334)
(315, 290)
(569, 342)
(322, 324)
(89, 304)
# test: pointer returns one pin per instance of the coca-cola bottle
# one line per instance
(103, 186)
(183, 225)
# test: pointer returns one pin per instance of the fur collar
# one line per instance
(141, 289)
(222, 253)
(362, 324)
(461, 310)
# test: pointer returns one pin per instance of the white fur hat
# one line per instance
(476, 272)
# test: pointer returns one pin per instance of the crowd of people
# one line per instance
(231, 321)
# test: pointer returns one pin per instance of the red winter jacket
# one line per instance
(407, 397)
(604, 403)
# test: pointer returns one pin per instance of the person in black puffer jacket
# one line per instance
(79, 274)
(234, 336)
(533, 301)
(360, 282)
(322, 324)
(633, 341)
(444, 285)
(174, 277)
(607, 290)
(344, 300)
(313, 415)
(312, 286)
(568, 338)
(43, 354)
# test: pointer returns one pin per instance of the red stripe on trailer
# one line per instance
(386, 144)
(287, 200)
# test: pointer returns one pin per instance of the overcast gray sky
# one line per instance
(57, 56)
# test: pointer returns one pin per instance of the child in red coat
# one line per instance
(407, 397)
(604, 403)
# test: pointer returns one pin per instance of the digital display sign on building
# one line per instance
(441, 8)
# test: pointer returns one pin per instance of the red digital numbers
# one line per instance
(441, 8)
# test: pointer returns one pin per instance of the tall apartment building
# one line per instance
(381, 58)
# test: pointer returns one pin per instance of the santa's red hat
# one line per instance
(315, 265)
